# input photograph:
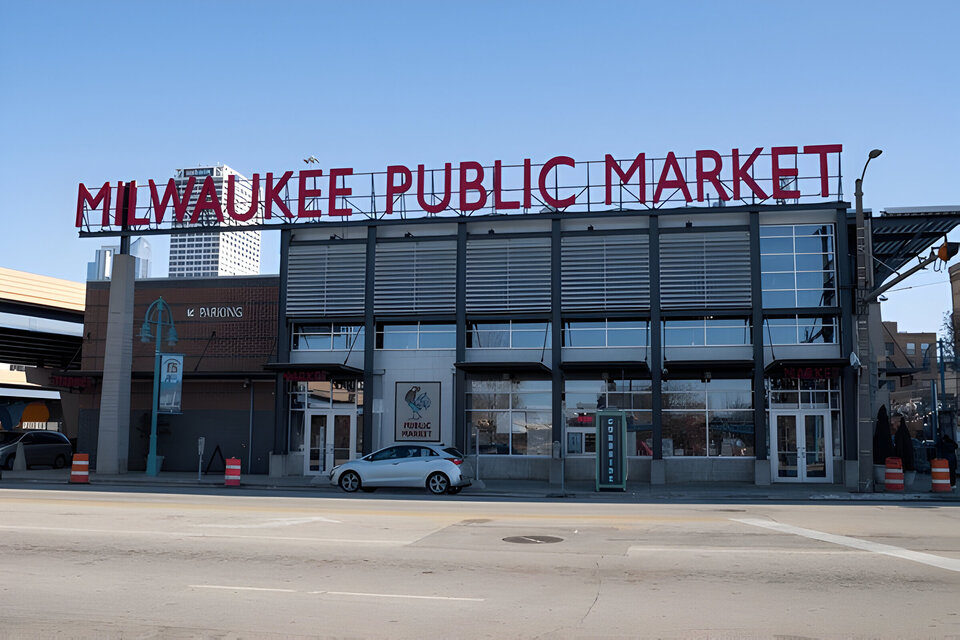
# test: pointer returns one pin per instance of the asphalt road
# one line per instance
(101, 564)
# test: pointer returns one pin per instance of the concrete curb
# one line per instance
(493, 489)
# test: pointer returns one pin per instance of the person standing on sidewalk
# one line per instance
(947, 449)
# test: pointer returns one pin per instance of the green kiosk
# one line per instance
(611, 451)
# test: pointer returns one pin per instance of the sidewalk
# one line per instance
(529, 489)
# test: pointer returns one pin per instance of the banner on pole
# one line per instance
(171, 383)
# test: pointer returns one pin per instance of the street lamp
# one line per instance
(866, 384)
(155, 316)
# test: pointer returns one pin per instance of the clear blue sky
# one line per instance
(96, 91)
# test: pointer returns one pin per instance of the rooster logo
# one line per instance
(417, 403)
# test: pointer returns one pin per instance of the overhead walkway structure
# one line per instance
(41, 320)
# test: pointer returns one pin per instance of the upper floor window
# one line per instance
(606, 333)
(706, 332)
(798, 266)
(417, 335)
(509, 334)
(800, 330)
(328, 336)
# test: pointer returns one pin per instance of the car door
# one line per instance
(404, 469)
(380, 469)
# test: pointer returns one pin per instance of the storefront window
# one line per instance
(708, 418)
(583, 398)
(797, 266)
(509, 417)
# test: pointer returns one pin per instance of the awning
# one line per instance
(900, 235)
(503, 367)
(313, 370)
(636, 368)
(716, 368)
(806, 369)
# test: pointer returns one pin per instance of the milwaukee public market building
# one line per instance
(702, 305)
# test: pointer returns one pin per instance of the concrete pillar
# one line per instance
(113, 441)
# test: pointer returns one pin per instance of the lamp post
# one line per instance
(866, 384)
(155, 316)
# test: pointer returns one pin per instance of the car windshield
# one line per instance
(7, 436)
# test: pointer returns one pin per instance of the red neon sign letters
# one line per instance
(464, 188)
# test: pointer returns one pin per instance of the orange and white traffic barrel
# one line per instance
(893, 479)
(80, 471)
(940, 475)
(232, 474)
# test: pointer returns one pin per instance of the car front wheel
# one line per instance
(438, 483)
(60, 462)
(8, 465)
(349, 481)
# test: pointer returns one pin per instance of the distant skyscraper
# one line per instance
(102, 266)
(215, 253)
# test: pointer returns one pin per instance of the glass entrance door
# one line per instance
(331, 438)
(801, 446)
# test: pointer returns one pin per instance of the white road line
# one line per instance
(229, 588)
(225, 587)
(929, 559)
(278, 522)
(193, 535)
(636, 549)
(394, 595)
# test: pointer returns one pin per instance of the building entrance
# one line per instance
(802, 450)
(330, 437)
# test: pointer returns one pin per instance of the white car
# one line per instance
(412, 464)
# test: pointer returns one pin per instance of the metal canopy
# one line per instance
(902, 234)
(513, 366)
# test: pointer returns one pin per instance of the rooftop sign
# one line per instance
(562, 184)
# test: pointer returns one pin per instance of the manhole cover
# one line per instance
(532, 539)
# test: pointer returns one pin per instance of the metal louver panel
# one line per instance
(416, 277)
(326, 280)
(705, 270)
(605, 273)
(508, 275)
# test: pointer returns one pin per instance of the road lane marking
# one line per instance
(225, 587)
(276, 522)
(194, 535)
(394, 595)
(229, 588)
(637, 549)
(950, 564)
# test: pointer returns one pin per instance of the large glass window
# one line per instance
(417, 335)
(798, 266)
(583, 398)
(509, 417)
(332, 336)
(509, 334)
(606, 333)
(707, 418)
(707, 332)
(800, 330)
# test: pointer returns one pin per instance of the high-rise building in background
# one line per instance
(215, 253)
(102, 266)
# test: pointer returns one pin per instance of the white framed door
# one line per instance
(331, 438)
(801, 446)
